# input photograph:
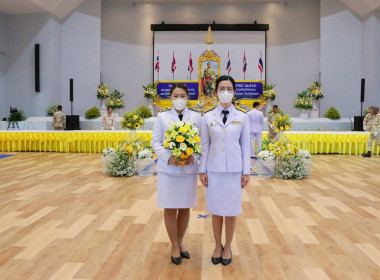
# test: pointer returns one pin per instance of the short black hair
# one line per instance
(108, 107)
(182, 86)
(275, 106)
(255, 104)
(59, 107)
(225, 78)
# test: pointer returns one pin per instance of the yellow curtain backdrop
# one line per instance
(96, 141)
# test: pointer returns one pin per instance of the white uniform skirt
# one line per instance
(224, 193)
(176, 191)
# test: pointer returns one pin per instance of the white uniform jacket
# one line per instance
(256, 120)
(225, 147)
(164, 120)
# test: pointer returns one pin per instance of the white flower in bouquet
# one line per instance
(266, 155)
(304, 154)
(108, 151)
(182, 146)
(146, 153)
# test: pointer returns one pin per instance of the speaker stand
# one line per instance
(71, 108)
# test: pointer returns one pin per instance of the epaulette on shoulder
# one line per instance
(210, 109)
(241, 109)
(194, 110)
(165, 109)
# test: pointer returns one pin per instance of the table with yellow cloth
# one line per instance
(94, 141)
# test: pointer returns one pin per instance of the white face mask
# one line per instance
(225, 96)
(179, 103)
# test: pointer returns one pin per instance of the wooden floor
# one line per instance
(61, 218)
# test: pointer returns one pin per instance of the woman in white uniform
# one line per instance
(225, 165)
(176, 185)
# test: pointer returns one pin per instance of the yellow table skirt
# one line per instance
(350, 143)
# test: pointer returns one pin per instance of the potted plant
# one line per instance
(145, 163)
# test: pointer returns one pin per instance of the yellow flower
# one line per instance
(197, 139)
(166, 144)
(282, 118)
(183, 156)
(183, 129)
(125, 145)
(277, 143)
(189, 151)
(281, 128)
(134, 117)
(137, 125)
(141, 121)
(187, 127)
(275, 124)
(277, 130)
(287, 127)
(166, 134)
(129, 124)
(180, 139)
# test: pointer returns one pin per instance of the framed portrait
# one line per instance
(208, 72)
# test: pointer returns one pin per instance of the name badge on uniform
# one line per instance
(237, 122)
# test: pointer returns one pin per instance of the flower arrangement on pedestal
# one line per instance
(291, 163)
(269, 93)
(102, 91)
(182, 139)
(150, 91)
(303, 101)
(315, 91)
(115, 100)
(121, 162)
(132, 121)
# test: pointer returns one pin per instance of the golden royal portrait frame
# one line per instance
(207, 78)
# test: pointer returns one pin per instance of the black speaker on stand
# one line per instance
(358, 120)
(37, 85)
(72, 121)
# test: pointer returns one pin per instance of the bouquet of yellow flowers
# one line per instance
(315, 91)
(282, 123)
(131, 121)
(281, 148)
(182, 139)
(268, 92)
(102, 91)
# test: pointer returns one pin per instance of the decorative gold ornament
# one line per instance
(209, 37)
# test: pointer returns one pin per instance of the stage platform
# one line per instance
(94, 141)
(299, 124)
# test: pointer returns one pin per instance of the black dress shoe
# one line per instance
(217, 260)
(177, 261)
(368, 154)
(227, 261)
(185, 255)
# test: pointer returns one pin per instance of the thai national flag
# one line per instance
(228, 64)
(174, 66)
(190, 67)
(261, 65)
(157, 67)
(244, 63)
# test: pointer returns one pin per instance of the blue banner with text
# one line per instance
(248, 89)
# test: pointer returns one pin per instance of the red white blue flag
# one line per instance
(190, 67)
(244, 63)
(157, 67)
(261, 65)
(228, 64)
(174, 66)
